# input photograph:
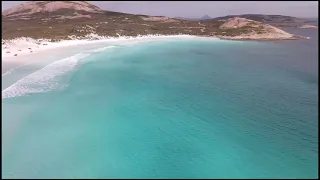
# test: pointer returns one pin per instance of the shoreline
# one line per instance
(262, 40)
(25, 46)
(21, 48)
(53, 51)
(12, 48)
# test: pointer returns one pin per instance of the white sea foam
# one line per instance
(102, 49)
(9, 71)
(13, 69)
(45, 79)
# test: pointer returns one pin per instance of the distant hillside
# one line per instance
(187, 19)
(205, 17)
(265, 18)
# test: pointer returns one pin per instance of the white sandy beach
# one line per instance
(24, 45)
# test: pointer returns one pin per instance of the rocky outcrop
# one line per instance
(237, 22)
(254, 30)
(265, 18)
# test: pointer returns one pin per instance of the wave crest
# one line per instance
(45, 79)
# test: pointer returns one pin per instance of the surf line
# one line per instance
(49, 72)
(9, 71)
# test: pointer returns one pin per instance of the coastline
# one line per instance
(26, 45)
(262, 39)
(21, 48)
(53, 51)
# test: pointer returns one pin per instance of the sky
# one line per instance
(201, 8)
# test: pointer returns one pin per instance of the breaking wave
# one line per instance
(45, 79)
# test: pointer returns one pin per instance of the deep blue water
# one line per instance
(170, 109)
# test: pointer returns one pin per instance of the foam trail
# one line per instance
(26, 64)
(43, 80)
(13, 69)
(9, 71)
(102, 49)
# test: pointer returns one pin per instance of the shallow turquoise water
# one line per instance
(179, 109)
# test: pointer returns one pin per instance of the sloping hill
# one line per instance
(265, 18)
(250, 29)
(57, 20)
(40, 9)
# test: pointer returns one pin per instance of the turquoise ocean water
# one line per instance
(188, 108)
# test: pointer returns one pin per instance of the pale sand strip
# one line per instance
(24, 45)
